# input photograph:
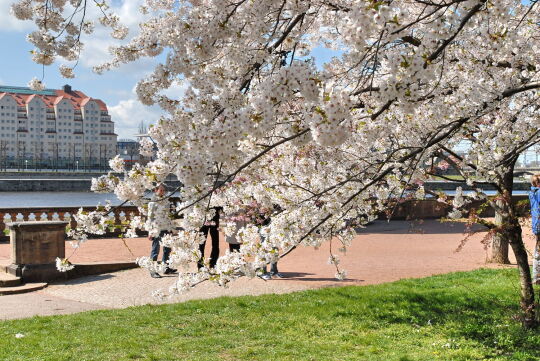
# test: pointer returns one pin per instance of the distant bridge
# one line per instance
(526, 171)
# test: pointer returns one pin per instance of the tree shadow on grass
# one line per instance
(484, 313)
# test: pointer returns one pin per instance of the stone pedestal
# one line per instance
(34, 248)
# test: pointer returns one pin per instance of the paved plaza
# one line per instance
(382, 252)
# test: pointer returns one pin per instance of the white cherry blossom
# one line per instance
(318, 148)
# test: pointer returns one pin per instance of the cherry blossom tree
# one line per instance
(495, 145)
(262, 122)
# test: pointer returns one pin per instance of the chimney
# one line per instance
(67, 88)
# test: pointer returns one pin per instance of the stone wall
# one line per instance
(431, 209)
(45, 185)
(50, 182)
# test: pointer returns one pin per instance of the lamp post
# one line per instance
(26, 164)
(77, 162)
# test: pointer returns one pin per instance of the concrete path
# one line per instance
(382, 252)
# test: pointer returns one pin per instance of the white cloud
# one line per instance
(128, 114)
(176, 90)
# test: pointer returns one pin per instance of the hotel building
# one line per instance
(54, 129)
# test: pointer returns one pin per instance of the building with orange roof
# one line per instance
(55, 126)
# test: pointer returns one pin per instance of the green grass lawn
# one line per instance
(460, 316)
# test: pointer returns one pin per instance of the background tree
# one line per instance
(490, 160)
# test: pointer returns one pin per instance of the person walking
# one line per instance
(265, 220)
(211, 227)
(158, 209)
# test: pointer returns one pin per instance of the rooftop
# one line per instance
(50, 97)
(25, 90)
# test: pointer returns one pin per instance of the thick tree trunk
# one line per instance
(536, 262)
(499, 243)
(511, 232)
(527, 293)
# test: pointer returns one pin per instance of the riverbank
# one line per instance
(81, 182)
(49, 181)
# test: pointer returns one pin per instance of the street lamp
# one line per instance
(77, 162)
(26, 164)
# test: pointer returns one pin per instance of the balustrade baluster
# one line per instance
(122, 215)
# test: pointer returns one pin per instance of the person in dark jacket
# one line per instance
(211, 227)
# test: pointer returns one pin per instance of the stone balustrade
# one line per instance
(33, 214)
(413, 209)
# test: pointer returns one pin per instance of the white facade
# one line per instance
(54, 124)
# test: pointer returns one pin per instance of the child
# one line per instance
(534, 198)
(273, 266)
(232, 240)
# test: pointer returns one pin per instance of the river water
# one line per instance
(78, 199)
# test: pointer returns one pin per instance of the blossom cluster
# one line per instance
(60, 23)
